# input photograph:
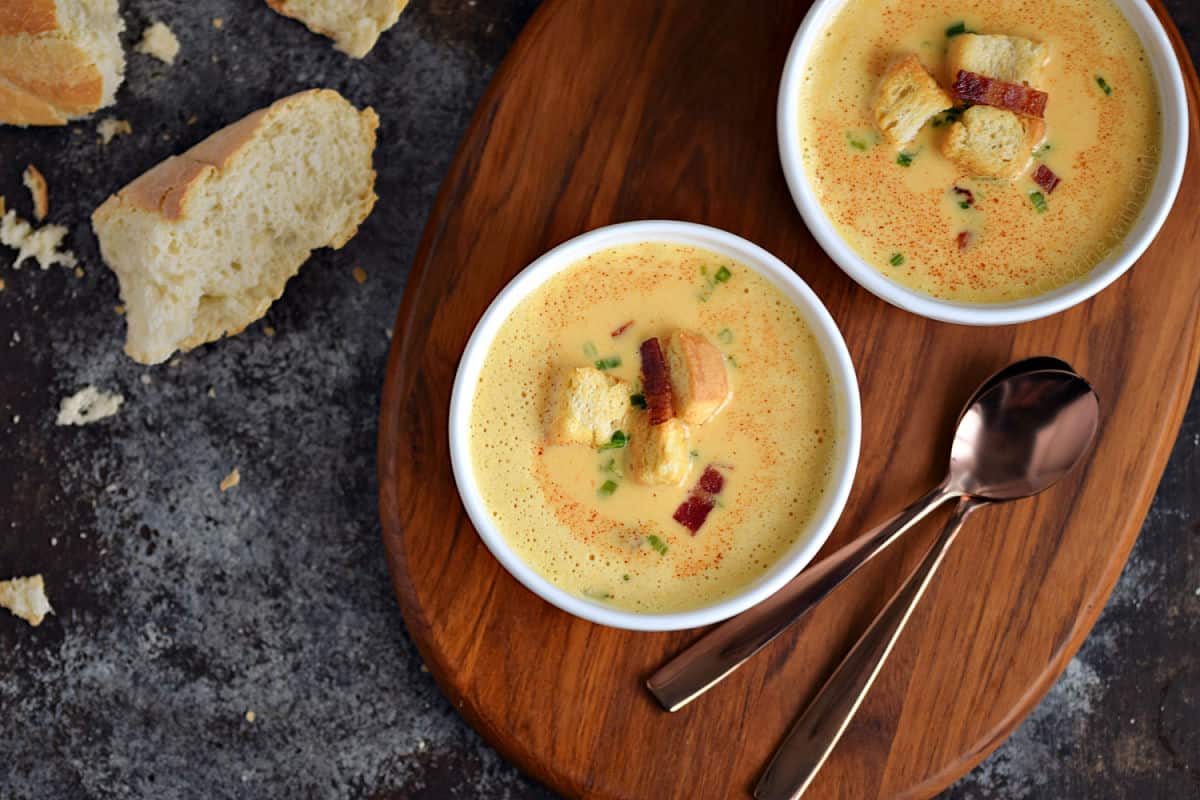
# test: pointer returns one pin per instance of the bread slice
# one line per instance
(699, 379)
(26, 597)
(991, 142)
(659, 454)
(907, 97)
(59, 59)
(203, 243)
(1007, 58)
(589, 407)
(354, 25)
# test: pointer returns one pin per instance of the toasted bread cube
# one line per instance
(1007, 58)
(589, 407)
(992, 142)
(699, 379)
(907, 97)
(659, 454)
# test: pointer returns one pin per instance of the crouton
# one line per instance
(992, 142)
(659, 454)
(589, 407)
(1007, 58)
(699, 381)
(907, 97)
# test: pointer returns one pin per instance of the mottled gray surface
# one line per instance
(181, 608)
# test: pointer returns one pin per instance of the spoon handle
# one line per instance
(725, 648)
(819, 728)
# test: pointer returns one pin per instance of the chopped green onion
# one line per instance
(638, 400)
(964, 204)
(856, 143)
(1039, 202)
(1103, 84)
(723, 275)
(607, 488)
(612, 469)
(732, 361)
(904, 159)
(658, 544)
(612, 362)
(694, 454)
(957, 29)
(590, 350)
(1041, 151)
(597, 594)
(726, 336)
(896, 260)
(625, 577)
(619, 440)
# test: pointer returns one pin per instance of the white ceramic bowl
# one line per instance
(1172, 96)
(849, 422)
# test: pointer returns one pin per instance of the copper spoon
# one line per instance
(708, 661)
(1023, 435)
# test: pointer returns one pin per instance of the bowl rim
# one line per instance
(1172, 92)
(833, 346)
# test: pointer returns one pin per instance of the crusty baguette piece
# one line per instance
(59, 59)
(905, 100)
(658, 454)
(204, 242)
(588, 407)
(1007, 58)
(354, 25)
(699, 379)
(992, 142)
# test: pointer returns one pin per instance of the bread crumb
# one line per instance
(1, 284)
(146, 379)
(88, 405)
(269, 331)
(110, 127)
(26, 597)
(16, 419)
(218, 23)
(120, 309)
(251, 716)
(231, 480)
(41, 244)
(175, 362)
(212, 392)
(35, 182)
(193, 119)
(360, 274)
(159, 41)
(79, 272)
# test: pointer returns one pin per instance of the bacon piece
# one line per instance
(618, 331)
(967, 195)
(693, 511)
(964, 240)
(1044, 177)
(972, 87)
(656, 386)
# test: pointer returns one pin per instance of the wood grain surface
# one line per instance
(607, 111)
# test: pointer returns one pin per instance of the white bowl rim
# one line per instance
(1174, 116)
(837, 357)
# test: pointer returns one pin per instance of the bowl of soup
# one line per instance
(983, 162)
(655, 425)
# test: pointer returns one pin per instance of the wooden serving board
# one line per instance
(613, 110)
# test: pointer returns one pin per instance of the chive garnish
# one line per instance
(694, 453)
(957, 29)
(612, 362)
(619, 440)
(658, 544)
(1103, 84)
(855, 142)
(1039, 202)
(964, 204)
(904, 159)
(1041, 151)
(732, 361)
(597, 594)
(723, 275)
(612, 469)
(896, 260)
(726, 336)
(625, 577)
(607, 488)
(589, 350)
(638, 400)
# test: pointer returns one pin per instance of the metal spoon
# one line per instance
(709, 660)
(1024, 434)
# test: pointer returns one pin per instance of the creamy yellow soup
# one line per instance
(1102, 139)
(774, 439)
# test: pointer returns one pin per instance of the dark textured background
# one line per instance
(180, 608)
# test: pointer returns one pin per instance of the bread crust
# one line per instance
(36, 183)
(28, 16)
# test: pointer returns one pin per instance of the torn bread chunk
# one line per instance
(589, 407)
(35, 182)
(110, 127)
(994, 143)
(659, 455)
(203, 243)
(907, 97)
(1005, 58)
(88, 405)
(160, 42)
(26, 597)
(41, 244)
(699, 379)
(354, 25)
